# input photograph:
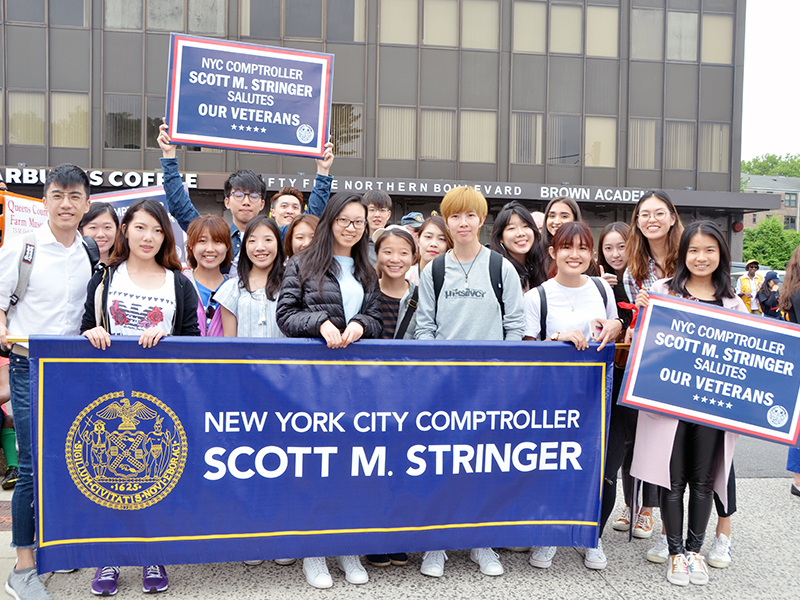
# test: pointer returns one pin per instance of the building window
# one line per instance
(440, 22)
(530, 27)
(754, 219)
(398, 22)
(527, 138)
(602, 31)
(480, 24)
(347, 20)
(647, 34)
(679, 145)
(437, 134)
(123, 14)
(564, 140)
(26, 114)
(566, 29)
(207, 16)
(478, 141)
(644, 144)
(717, 45)
(790, 223)
(790, 199)
(303, 19)
(123, 122)
(72, 13)
(347, 129)
(26, 11)
(156, 107)
(260, 19)
(397, 128)
(600, 142)
(165, 15)
(714, 147)
(682, 36)
(69, 120)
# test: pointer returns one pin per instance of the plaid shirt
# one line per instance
(633, 287)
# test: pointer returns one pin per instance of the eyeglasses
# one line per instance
(239, 196)
(381, 211)
(74, 197)
(659, 215)
(344, 223)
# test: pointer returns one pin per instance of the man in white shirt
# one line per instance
(52, 305)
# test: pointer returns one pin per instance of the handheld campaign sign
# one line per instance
(240, 96)
(717, 367)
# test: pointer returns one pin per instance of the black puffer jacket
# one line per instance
(303, 309)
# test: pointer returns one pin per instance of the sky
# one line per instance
(771, 105)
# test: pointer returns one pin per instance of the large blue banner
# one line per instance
(241, 96)
(218, 450)
(717, 367)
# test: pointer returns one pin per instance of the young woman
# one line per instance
(576, 313)
(790, 303)
(434, 240)
(330, 291)
(558, 211)
(672, 453)
(768, 296)
(517, 238)
(210, 252)
(396, 251)
(248, 302)
(299, 235)
(100, 223)
(142, 292)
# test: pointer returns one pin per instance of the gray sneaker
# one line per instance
(26, 585)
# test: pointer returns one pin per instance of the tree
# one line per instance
(769, 243)
(772, 164)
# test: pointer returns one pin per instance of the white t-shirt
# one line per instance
(352, 291)
(134, 310)
(568, 308)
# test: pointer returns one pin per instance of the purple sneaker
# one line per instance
(105, 581)
(154, 579)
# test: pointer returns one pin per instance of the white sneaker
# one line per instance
(542, 557)
(623, 522)
(252, 563)
(353, 571)
(316, 572)
(678, 571)
(660, 552)
(285, 561)
(698, 572)
(595, 557)
(720, 555)
(433, 563)
(488, 560)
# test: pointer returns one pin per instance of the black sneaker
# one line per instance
(379, 560)
(10, 480)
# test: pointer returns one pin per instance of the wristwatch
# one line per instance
(554, 336)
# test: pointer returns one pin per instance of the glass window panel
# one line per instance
(346, 21)
(600, 142)
(397, 132)
(681, 36)
(398, 22)
(26, 118)
(602, 31)
(156, 107)
(303, 18)
(790, 199)
(789, 222)
(123, 121)
(480, 24)
(644, 144)
(478, 137)
(679, 145)
(207, 16)
(564, 140)
(123, 14)
(347, 130)
(27, 11)
(566, 29)
(714, 147)
(165, 15)
(527, 138)
(73, 13)
(530, 27)
(717, 46)
(69, 120)
(437, 134)
(647, 34)
(261, 19)
(440, 23)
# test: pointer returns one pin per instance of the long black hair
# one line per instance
(245, 265)
(317, 260)
(547, 238)
(166, 256)
(532, 273)
(621, 228)
(721, 277)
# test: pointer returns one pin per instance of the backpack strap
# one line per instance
(542, 313)
(410, 310)
(92, 251)
(26, 259)
(496, 278)
(438, 281)
(600, 289)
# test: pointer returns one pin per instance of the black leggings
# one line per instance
(693, 459)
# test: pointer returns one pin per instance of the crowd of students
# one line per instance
(340, 272)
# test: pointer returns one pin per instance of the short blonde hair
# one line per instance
(464, 198)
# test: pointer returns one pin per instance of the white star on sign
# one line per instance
(712, 402)
(241, 127)
(729, 405)
(696, 397)
(233, 126)
(249, 128)
(263, 130)
(704, 399)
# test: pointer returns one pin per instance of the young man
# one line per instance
(52, 305)
(285, 205)
(379, 210)
(748, 285)
(467, 309)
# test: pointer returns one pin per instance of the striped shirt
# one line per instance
(390, 307)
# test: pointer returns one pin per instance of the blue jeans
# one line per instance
(23, 526)
(793, 460)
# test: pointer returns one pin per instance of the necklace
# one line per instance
(566, 295)
(466, 271)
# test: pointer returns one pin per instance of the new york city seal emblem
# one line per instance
(126, 453)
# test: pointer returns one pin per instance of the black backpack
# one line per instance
(543, 305)
(495, 276)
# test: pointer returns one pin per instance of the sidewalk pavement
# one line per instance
(766, 565)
